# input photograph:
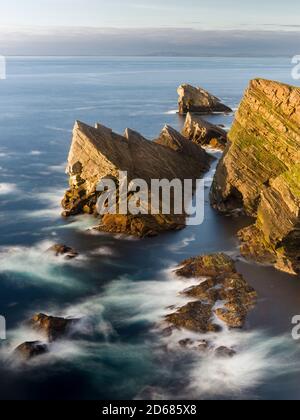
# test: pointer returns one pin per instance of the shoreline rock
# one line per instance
(66, 251)
(204, 133)
(54, 328)
(198, 100)
(31, 350)
(260, 173)
(220, 282)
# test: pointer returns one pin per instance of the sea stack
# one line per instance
(204, 133)
(260, 173)
(98, 153)
(198, 100)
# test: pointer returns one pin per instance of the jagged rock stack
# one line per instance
(204, 133)
(198, 100)
(98, 153)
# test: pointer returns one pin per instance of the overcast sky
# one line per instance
(108, 27)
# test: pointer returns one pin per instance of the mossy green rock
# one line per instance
(260, 173)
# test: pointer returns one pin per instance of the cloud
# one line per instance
(150, 42)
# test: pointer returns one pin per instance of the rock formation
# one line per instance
(204, 133)
(53, 328)
(260, 173)
(99, 153)
(30, 350)
(198, 100)
(65, 251)
(220, 283)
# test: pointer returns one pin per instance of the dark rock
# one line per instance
(207, 266)
(186, 342)
(204, 133)
(195, 316)
(223, 283)
(224, 353)
(198, 100)
(64, 250)
(53, 328)
(30, 350)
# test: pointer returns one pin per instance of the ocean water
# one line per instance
(123, 286)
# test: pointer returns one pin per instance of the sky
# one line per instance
(29, 27)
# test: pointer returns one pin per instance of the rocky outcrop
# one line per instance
(198, 100)
(220, 283)
(260, 173)
(204, 133)
(99, 153)
(63, 250)
(54, 328)
(30, 350)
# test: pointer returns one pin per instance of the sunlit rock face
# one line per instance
(197, 100)
(260, 173)
(98, 153)
(204, 133)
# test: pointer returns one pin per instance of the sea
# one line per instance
(121, 286)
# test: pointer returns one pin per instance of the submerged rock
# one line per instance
(64, 250)
(98, 153)
(204, 133)
(260, 173)
(30, 350)
(53, 328)
(220, 283)
(198, 100)
(225, 352)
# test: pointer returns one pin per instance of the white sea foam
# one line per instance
(64, 130)
(58, 168)
(33, 265)
(172, 112)
(82, 223)
(35, 153)
(259, 358)
(184, 243)
(51, 200)
(104, 251)
(7, 188)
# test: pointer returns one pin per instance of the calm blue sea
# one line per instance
(122, 286)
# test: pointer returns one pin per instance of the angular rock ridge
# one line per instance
(198, 100)
(203, 132)
(220, 283)
(98, 153)
(260, 173)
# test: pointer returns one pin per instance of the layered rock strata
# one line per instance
(98, 153)
(198, 100)
(260, 173)
(204, 133)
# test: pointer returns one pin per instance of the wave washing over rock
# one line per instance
(260, 173)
